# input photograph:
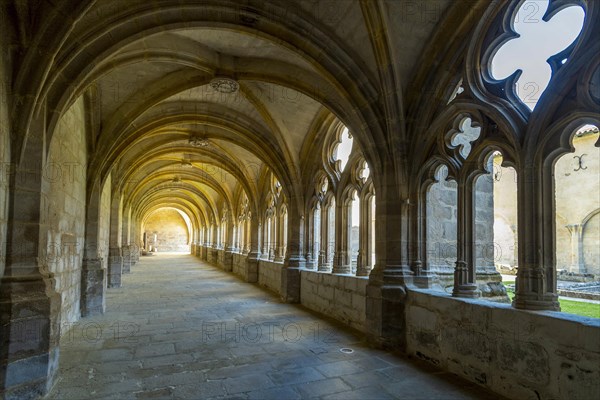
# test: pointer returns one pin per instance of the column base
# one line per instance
(549, 302)
(30, 331)
(467, 290)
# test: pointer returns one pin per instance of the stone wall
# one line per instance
(269, 275)
(342, 297)
(522, 354)
(170, 229)
(104, 224)
(5, 84)
(239, 264)
(63, 208)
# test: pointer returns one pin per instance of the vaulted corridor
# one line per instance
(179, 328)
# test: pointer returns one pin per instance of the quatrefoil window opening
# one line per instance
(537, 41)
(466, 135)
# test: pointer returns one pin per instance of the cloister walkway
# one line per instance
(179, 328)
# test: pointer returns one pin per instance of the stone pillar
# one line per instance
(126, 252)
(577, 264)
(29, 305)
(252, 260)
(294, 259)
(363, 265)
(229, 246)
(311, 241)
(536, 276)
(280, 248)
(341, 262)
(115, 255)
(93, 271)
(465, 284)
(265, 239)
(424, 278)
(386, 290)
(324, 264)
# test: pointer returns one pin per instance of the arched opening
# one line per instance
(441, 214)
(577, 226)
(495, 227)
(354, 236)
(168, 229)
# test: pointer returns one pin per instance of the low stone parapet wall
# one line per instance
(521, 354)
(269, 275)
(342, 297)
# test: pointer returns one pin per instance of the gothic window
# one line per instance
(342, 150)
(537, 41)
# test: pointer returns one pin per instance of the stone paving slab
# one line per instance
(179, 328)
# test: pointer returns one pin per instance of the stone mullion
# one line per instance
(253, 256)
(341, 264)
(323, 251)
(280, 248)
(464, 273)
(363, 266)
(418, 249)
(229, 245)
(273, 237)
(310, 238)
(247, 235)
(536, 276)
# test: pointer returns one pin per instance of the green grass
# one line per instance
(570, 306)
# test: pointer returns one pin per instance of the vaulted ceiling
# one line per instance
(145, 70)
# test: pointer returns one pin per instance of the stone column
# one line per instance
(311, 254)
(363, 267)
(324, 264)
(265, 239)
(115, 256)
(280, 248)
(252, 260)
(536, 276)
(247, 236)
(465, 284)
(577, 264)
(341, 262)
(127, 258)
(273, 238)
(294, 259)
(93, 271)
(29, 305)
(229, 246)
(424, 278)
